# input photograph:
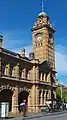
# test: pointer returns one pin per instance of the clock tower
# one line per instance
(43, 39)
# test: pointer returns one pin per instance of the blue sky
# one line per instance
(17, 18)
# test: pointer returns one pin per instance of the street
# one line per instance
(60, 116)
(53, 117)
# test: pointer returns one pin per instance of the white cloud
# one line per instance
(61, 59)
(60, 54)
(14, 39)
(28, 49)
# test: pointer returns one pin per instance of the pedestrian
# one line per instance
(24, 108)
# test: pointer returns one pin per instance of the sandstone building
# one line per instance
(30, 78)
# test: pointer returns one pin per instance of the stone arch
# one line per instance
(23, 95)
(8, 87)
(24, 89)
(6, 96)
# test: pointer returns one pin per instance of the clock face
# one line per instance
(39, 37)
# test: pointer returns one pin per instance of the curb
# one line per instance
(35, 116)
(48, 114)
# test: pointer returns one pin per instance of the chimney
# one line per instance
(1, 40)
(22, 52)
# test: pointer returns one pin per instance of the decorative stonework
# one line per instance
(40, 22)
(5, 87)
(23, 89)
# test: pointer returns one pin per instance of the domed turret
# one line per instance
(42, 14)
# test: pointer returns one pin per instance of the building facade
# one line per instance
(30, 78)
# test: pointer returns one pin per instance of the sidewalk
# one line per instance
(34, 115)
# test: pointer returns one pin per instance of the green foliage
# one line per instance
(64, 93)
(58, 93)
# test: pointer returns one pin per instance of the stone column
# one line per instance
(17, 70)
(37, 98)
(41, 77)
(41, 98)
(34, 73)
(44, 77)
(54, 92)
(29, 102)
(15, 101)
(37, 73)
(7, 68)
(24, 73)
(34, 98)
(28, 76)
(48, 78)
(13, 72)
(49, 94)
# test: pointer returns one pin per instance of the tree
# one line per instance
(58, 93)
(64, 94)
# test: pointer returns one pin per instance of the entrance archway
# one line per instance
(6, 96)
(23, 95)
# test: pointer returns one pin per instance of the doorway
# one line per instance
(23, 95)
(6, 96)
